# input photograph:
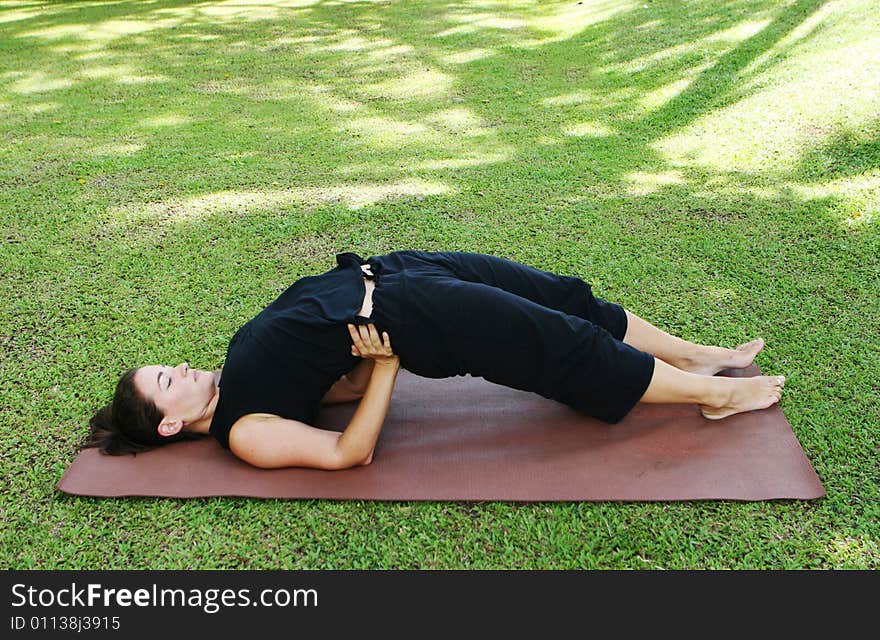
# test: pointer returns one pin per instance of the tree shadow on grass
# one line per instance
(843, 154)
(405, 162)
(379, 106)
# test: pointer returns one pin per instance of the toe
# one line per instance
(748, 346)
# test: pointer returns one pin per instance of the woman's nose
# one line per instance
(184, 368)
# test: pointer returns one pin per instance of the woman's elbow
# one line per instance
(348, 463)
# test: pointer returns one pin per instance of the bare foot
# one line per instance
(746, 394)
(710, 360)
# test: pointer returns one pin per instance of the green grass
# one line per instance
(168, 168)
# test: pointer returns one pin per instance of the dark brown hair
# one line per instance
(130, 423)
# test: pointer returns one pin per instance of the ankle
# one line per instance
(690, 356)
(718, 392)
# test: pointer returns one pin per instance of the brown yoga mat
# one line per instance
(465, 438)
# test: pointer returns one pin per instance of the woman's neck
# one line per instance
(203, 423)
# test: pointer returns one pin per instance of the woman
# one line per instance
(328, 338)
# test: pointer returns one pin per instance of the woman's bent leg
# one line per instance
(574, 296)
(646, 337)
(568, 294)
(455, 327)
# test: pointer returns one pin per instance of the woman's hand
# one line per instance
(367, 344)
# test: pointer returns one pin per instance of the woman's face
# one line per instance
(178, 392)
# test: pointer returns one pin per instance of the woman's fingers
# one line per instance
(374, 337)
(365, 335)
(367, 340)
(356, 338)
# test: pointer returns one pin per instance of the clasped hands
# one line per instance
(368, 344)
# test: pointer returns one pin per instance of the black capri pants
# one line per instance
(456, 313)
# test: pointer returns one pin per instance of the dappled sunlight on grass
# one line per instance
(238, 10)
(459, 120)
(642, 183)
(463, 57)
(436, 128)
(118, 149)
(103, 32)
(469, 158)
(758, 131)
(436, 132)
(599, 101)
(325, 97)
(571, 18)
(359, 44)
(461, 162)
(593, 129)
(739, 32)
(38, 82)
(556, 22)
(771, 128)
(687, 61)
(123, 73)
(387, 132)
(471, 18)
(420, 83)
(11, 16)
(857, 197)
(808, 27)
(576, 97)
(658, 97)
(166, 120)
(270, 90)
(722, 295)
(548, 140)
(355, 196)
(43, 107)
(388, 54)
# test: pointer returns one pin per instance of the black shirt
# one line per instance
(284, 360)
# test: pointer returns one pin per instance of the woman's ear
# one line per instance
(170, 426)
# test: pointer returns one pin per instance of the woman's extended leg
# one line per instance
(718, 397)
(690, 357)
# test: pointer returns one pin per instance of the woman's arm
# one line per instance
(342, 391)
(359, 438)
(269, 441)
(352, 385)
(359, 377)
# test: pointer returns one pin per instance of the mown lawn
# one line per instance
(167, 168)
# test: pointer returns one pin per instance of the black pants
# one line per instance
(454, 313)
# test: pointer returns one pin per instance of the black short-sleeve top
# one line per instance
(284, 360)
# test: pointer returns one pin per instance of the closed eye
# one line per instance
(159, 377)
